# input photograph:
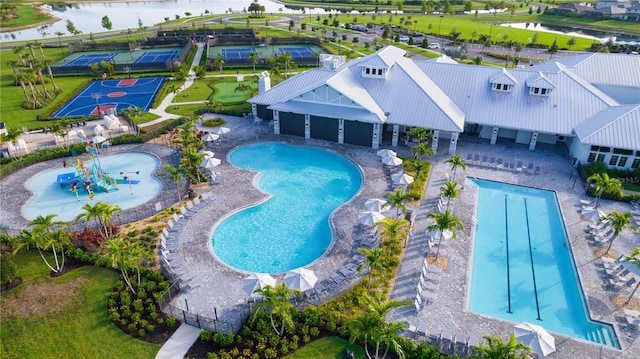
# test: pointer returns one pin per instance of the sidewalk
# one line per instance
(178, 345)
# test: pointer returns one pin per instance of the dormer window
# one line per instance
(374, 72)
(504, 81)
(540, 85)
(539, 91)
(502, 87)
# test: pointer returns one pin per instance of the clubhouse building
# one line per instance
(590, 103)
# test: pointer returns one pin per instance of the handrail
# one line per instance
(533, 271)
(506, 225)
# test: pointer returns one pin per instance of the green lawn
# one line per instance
(226, 92)
(183, 110)
(64, 317)
(27, 15)
(327, 348)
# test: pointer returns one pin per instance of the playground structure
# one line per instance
(91, 178)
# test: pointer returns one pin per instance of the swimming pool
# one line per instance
(50, 198)
(291, 229)
(522, 268)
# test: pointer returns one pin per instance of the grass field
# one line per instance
(27, 15)
(327, 348)
(64, 317)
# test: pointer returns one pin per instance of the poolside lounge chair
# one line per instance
(446, 341)
(417, 302)
(170, 255)
(623, 284)
(198, 203)
(422, 329)
(193, 283)
(485, 160)
(469, 157)
(427, 296)
(178, 218)
(499, 163)
(530, 167)
(459, 343)
(617, 272)
(604, 238)
(191, 207)
(173, 226)
(476, 159)
(169, 245)
(512, 166)
(537, 171)
(519, 166)
(610, 262)
(473, 341)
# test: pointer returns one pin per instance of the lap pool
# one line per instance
(522, 268)
(290, 229)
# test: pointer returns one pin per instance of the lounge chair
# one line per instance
(422, 329)
(169, 245)
(191, 207)
(537, 171)
(499, 163)
(427, 296)
(459, 343)
(492, 162)
(476, 159)
(469, 157)
(623, 283)
(485, 160)
(512, 166)
(193, 283)
(178, 218)
(418, 303)
(605, 238)
(519, 166)
(170, 255)
(530, 167)
(617, 272)
(173, 227)
(472, 342)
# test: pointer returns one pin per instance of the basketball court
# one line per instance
(104, 95)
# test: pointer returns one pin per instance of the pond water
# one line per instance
(543, 28)
(127, 15)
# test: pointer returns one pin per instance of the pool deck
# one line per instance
(221, 294)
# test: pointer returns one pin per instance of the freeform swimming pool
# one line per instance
(523, 270)
(51, 198)
(291, 229)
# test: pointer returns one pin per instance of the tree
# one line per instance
(422, 149)
(554, 47)
(11, 136)
(219, 62)
(449, 191)
(125, 254)
(372, 261)
(456, 162)
(43, 238)
(253, 58)
(256, 9)
(634, 258)
(176, 174)
(602, 184)
(106, 23)
(619, 222)
(396, 200)
(71, 28)
(276, 302)
(496, 348)
(242, 87)
(372, 325)
(101, 212)
(571, 42)
(445, 222)
(394, 230)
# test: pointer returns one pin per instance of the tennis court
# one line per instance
(237, 53)
(100, 96)
(298, 52)
(150, 57)
(88, 59)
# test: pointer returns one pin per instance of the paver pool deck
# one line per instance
(221, 295)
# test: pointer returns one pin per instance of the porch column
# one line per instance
(276, 122)
(307, 126)
(494, 136)
(434, 142)
(375, 141)
(534, 140)
(341, 131)
(454, 143)
(394, 139)
(254, 110)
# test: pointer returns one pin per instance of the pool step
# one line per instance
(597, 335)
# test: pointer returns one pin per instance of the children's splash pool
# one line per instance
(50, 197)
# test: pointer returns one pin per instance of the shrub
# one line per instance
(213, 122)
(205, 335)
(8, 269)
(222, 339)
(171, 322)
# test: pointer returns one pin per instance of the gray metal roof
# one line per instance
(503, 77)
(311, 78)
(326, 110)
(617, 126)
(605, 68)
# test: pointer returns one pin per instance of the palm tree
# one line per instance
(11, 136)
(422, 149)
(276, 302)
(445, 222)
(449, 191)
(619, 222)
(219, 61)
(253, 58)
(456, 162)
(101, 212)
(44, 239)
(418, 167)
(194, 159)
(496, 348)
(175, 173)
(634, 258)
(125, 254)
(372, 261)
(174, 90)
(373, 326)
(394, 230)
(396, 200)
(602, 183)
(242, 87)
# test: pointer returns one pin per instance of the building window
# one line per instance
(367, 70)
(613, 161)
(623, 161)
(380, 72)
(539, 91)
(502, 87)
(636, 163)
(595, 157)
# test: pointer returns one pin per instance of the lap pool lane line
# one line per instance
(506, 225)
(533, 270)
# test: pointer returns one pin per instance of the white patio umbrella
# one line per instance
(593, 215)
(207, 154)
(391, 161)
(98, 139)
(631, 267)
(435, 234)
(257, 281)
(369, 218)
(209, 137)
(386, 153)
(300, 278)
(221, 130)
(377, 205)
(536, 338)
(211, 162)
(402, 178)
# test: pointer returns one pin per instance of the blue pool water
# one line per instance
(291, 229)
(522, 268)
(50, 198)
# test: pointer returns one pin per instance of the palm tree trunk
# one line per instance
(439, 243)
(610, 244)
(55, 256)
(45, 261)
(632, 293)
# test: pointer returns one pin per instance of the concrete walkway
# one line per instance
(178, 345)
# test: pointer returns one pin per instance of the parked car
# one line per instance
(434, 45)
(417, 34)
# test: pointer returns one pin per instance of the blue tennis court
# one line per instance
(237, 53)
(99, 96)
(298, 52)
(150, 57)
(86, 60)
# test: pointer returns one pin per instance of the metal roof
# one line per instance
(617, 126)
(326, 110)
(605, 68)
(503, 77)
